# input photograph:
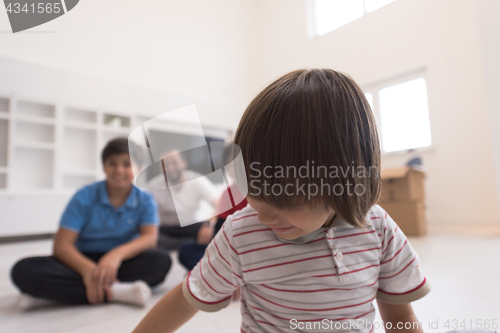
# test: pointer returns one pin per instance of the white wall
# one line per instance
(407, 35)
(489, 24)
(203, 50)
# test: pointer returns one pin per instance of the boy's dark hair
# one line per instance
(317, 117)
(121, 146)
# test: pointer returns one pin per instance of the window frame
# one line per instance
(311, 18)
(374, 89)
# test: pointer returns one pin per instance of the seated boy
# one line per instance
(104, 249)
(312, 251)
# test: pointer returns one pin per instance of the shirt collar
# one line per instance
(336, 223)
(131, 200)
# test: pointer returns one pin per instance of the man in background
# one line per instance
(189, 197)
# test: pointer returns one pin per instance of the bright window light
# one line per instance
(404, 116)
(372, 5)
(329, 15)
(369, 98)
(332, 14)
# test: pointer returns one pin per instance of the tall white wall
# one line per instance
(489, 25)
(203, 50)
(441, 37)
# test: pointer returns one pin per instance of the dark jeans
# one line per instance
(49, 278)
(191, 252)
(171, 238)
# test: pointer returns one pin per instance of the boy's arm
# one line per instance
(148, 237)
(66, 252)
(170, 313)
(398, 315)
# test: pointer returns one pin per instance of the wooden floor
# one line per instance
(462, 267)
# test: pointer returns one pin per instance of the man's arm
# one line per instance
(170, 313)
(206, 231)
(398, 315)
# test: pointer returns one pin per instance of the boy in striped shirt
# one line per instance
(312, 250)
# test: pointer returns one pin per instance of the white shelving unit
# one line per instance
(4, 138)
(53, 126)
(53, 148)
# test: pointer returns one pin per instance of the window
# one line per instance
(402, 114)
(373, 5)
(329, 15)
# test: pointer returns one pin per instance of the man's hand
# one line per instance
(205, 234)
(106, 271)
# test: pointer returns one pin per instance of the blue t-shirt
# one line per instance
(101, 226)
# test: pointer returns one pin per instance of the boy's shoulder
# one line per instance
(246, 223)
(142, 194)
(89, 192)
(377, 216)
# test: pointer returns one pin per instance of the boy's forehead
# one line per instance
(120, 156)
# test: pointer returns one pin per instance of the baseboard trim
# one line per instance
(485, 229)
(25, 238)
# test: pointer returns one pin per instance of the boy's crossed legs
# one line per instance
(48, 278)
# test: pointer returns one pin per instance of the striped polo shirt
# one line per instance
(324, 281)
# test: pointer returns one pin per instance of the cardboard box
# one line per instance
(402, 185)
(410, 217)
(403, 198)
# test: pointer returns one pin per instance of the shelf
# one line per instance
(81, 116)
(4, 141)
(3, 170)
(36, 119)
(26, 108)
(3, 181)
(35, 145)
(32, 168)
(109, 135)
(81, 172)
(75, 124)
(142, 119)
(119, 130)
(116, 121)
(76, 182)
(27, 131)
(4, 105)
(4, 115)
(79, 149)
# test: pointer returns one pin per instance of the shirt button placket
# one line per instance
(331, 244)
(329, 239)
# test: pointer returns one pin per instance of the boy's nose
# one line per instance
(120, 170)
